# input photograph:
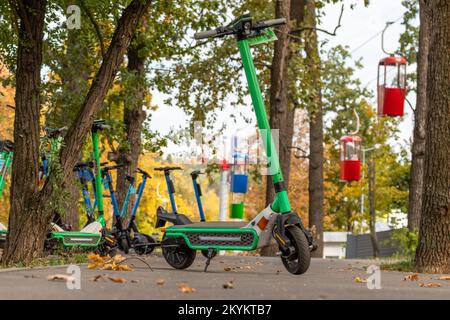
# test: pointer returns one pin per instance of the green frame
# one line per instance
(62, 235)
(184, 231)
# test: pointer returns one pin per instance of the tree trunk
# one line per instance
(26, 230)
(316, 196)
(28, 206)
(433, 252)
(418, 147)
(280, 113)
(133, 118)
(373, 217)
(75, 84)
(279, 110)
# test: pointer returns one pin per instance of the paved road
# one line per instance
(253, 278)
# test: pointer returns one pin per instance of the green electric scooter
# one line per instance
(6, 154)
(94, 234)
(180, 242)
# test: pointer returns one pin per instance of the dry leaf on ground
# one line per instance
(228, 285)
(98, 278)
(184, 288)
(429, 285)
(360, 280)
(60, 277)
(117, 280)
(107, 263)
(411, 277)
(446, 278)
(160, 282)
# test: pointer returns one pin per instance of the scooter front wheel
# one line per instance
(299, 261)
(177, 253)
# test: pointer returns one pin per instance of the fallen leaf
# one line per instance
(278, 272)
(184, 288)
(429, 285)
(60, 277)
(447, 278)
(134, 281)
(360, 280)
(228, 285)
(117, 280)
(411, 277)
(118, 258)
(160, 282)
(98, 278)
(227, 269)
(107, 263)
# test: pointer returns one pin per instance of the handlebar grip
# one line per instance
(205, 34)
(272, 22)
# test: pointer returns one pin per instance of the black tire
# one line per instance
(139, 244)
(205, 253)
(297, 263)
(180, 256)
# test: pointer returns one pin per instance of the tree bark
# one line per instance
(373, 216)
(433, 252)
(280, 113)
(28, 215)
(26, 230)
(316, 194)
(418, 147)
(74, 78)
(133, 118)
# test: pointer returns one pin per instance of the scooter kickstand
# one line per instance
(208, 258)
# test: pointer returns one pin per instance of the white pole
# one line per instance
(223, 194)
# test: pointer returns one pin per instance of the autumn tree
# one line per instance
(433, 252)
(31, 207)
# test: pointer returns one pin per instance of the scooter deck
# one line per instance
(217, 235)
(213, 224)
(79, 239)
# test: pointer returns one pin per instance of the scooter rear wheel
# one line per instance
(299, 261)
(177, 253)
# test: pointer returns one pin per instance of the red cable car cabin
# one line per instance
(350, 158)
(391, 86)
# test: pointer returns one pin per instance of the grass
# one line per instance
(403, 264)
(56, 259)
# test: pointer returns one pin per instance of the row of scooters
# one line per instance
(94, 181)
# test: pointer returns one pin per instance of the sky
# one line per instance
(360, 30)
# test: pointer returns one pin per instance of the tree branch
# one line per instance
(297, 154)
(96, 27)
(300, 30)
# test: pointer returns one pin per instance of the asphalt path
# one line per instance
(228, 278)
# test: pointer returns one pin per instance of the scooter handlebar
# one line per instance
(167, 168)
(139, 170)
(270, 23)
(206, 34)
